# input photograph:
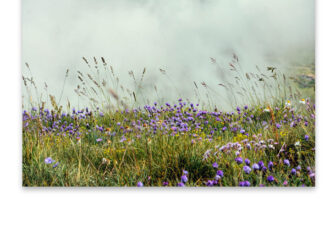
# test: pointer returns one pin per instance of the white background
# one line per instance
(81, 208)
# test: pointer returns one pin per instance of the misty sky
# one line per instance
(178, 36)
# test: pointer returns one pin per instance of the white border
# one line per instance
(81, 208)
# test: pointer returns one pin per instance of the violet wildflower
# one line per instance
(215, 165)
(306, 137)
(140, 184)
(185, 172)
(270, 165)
(239, 160)
(220, 173)
(98, 139)
(255, 166)
(55, 165)
(184, 178)
(286, 162)
(180, 184)
(165, 183)
(244, 183)
(298, 168)
(209, 183)
(285, 183)
(293, 171)
(261, 164)
(49, 160)
(247, 169)
(270, 178)
(247, 161)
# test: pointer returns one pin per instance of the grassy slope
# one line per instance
(154, 158)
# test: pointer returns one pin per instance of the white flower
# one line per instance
(297, 143)
(267, 110)
(302, 101)
(288, 103)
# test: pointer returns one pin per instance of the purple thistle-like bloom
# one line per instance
(185, 172)
(293, 171)
(247, 169)
(278, 125)
(286, 162)
(244, 183)
(239, 160)
(220, 173)
(184, 179)
(139, 184)
(270, 165)
(49, 160)
(180, 184)
(215, 165)
(298, 168)
(247, 161)
(55, 165)
(165, 183)
(98, 139)
(261, 164)
(209, 183)
(255, 166)
(306, 137)
(270, 178)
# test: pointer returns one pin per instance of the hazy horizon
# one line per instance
(177, 36)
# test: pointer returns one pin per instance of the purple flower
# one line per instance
(244, 183)
(220, 173)
(298, 168)
(278, 125)
(247, 161)
(239, 160)
(286, 162)
(293, 171)
(215, 165)
(184, 179)
(306, 137)
(165, 183)
(185, 172)
(49, 160)
(209, 183)
(55, 165)
(255, 166)
(180, 184)
(261, 164)
(247, 169)
(98, 139)
(270, 165)
(270, 178)
(140, 184)
(285, 183)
